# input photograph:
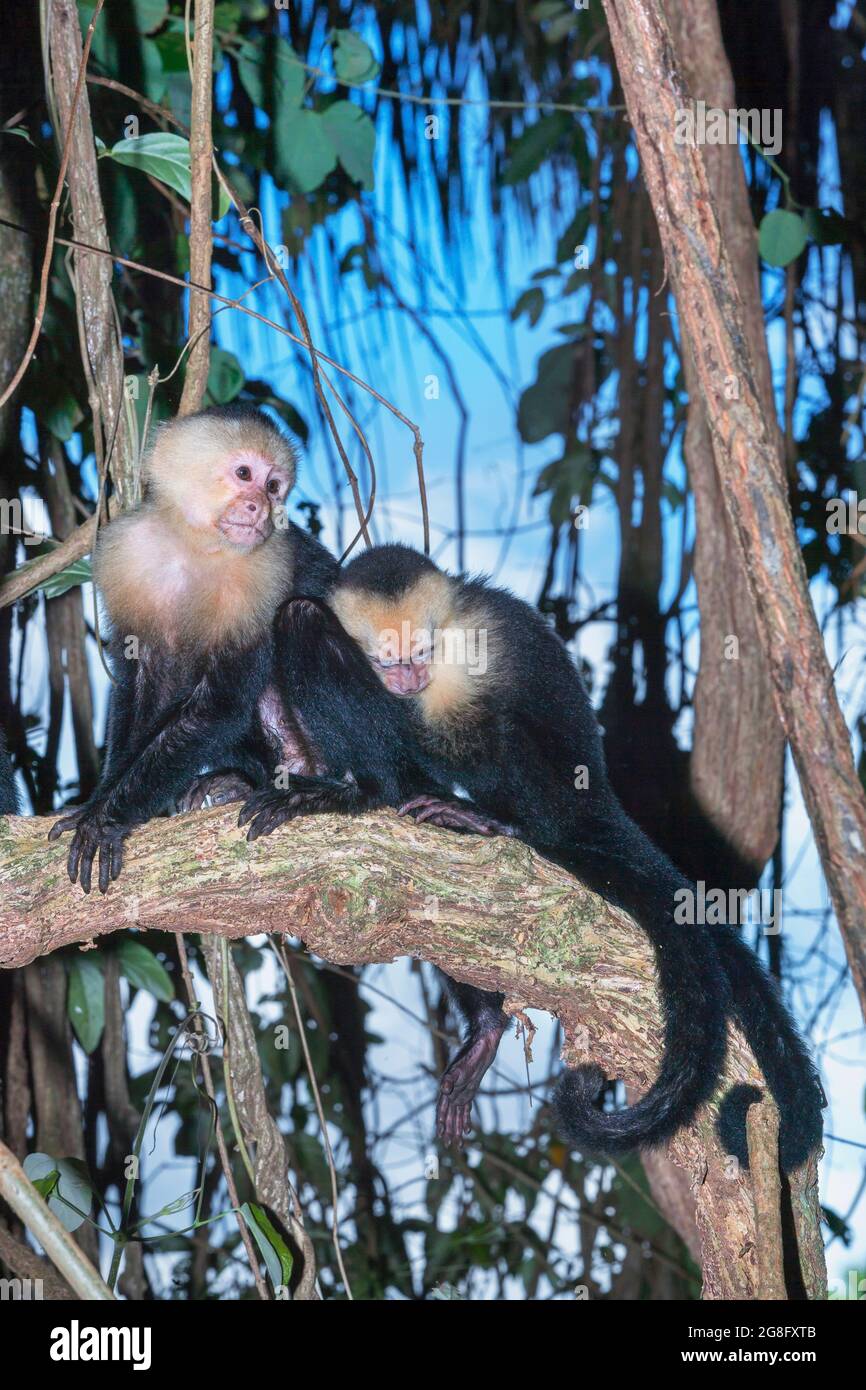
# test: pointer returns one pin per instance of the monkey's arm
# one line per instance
(160, 764)
(364, 739)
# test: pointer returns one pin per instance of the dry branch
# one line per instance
(369, 890)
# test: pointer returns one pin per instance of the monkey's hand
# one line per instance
(221, 787)
(96, 834)
(453, 815)
(265, 811)
(459, 1085)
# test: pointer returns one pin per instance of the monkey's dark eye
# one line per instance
(274, 486)
(243, 473)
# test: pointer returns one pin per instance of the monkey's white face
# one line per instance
(252, 486)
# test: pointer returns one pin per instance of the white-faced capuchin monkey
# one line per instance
(191, 581)
(495, 705)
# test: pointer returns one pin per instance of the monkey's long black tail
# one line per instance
(618, 861)
(780, 1053)
(705, 974)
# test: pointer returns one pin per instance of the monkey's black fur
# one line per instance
(8, 790)
(536, 726)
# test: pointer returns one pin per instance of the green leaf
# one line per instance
(225, 378)
(546, 9)
(825, 226)
(782, 237)
(559, 27)
(226, 17)
(64, 1183)
(531, 303)
(172, 51)
(150, 15)
(545, 406)
(18, 130)
(273, 1249)
(86, 999)
(353, 58)
(573, 236)
(161, 154)
(153, 80)
(272, 75)
(79, 572)
(303, 154)
(534, 145)
(353, 136)
(142, 968)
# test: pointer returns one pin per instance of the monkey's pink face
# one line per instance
(405, 677)
(253, 486)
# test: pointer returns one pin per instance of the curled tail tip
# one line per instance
(801, 1124)
(650, 1121)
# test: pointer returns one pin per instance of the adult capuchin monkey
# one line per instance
(191, 581)
(495, 705)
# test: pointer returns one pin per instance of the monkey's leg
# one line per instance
(482, 1011)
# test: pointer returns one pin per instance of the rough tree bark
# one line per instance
(749, 458)
(370, 889)
(738, 744)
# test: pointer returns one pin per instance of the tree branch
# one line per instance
(370, 889)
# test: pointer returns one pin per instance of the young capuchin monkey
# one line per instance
(191, 582)
(490, 699)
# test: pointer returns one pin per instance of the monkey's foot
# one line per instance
(265, 811)
(453, 815)
(96, 834)
(221, 787)
(459, 1086)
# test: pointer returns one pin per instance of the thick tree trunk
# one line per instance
(738, 744)
(370, 889)
(748, 452)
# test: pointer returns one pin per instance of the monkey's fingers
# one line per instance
(252, 807)
(267, 811)
(453, 1120)
(110, 858)
(68, 822)
(454, 816)
(81, 858)
(416, 804)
